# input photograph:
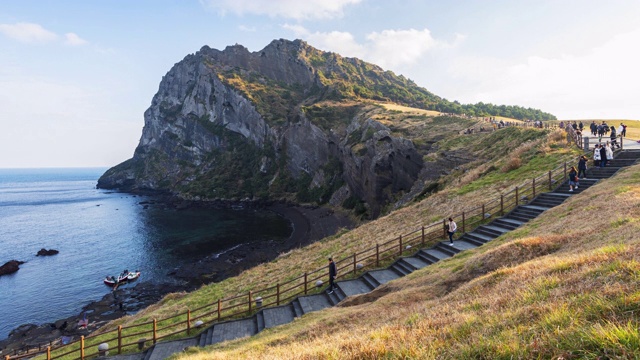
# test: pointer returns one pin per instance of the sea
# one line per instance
(98, 233)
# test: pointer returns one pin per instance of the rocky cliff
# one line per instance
(288, 121)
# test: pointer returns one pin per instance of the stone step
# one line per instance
(505, 224)
(415, 262)
(471, 239)
(517, 217)
(437, 253)
(446, 248)
(260, 320)
(370, 280)
(422, 254)
(400, 269)
(278, 315)
(297, 309)
(383, 276)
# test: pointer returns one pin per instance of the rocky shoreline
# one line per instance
(309, 224)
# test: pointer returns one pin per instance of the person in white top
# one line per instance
(452, 229)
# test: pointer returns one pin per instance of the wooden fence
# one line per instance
(184, 324)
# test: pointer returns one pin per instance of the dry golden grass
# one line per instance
(406, 109)
(566, 285)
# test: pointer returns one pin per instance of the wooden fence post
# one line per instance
(155, 331)
(422, 241)
(119, 339)
(354, 263)
(501, 205)
(7, 357)
(463, 223)
(48, 353)
(550, 176)
(219, 308)
(82, 347)
(377, 255)
(400, 247)
(305, 283)
(250, 301)
(188, 321)
(565, 170)
(444, 227)
(534, 187)
(482, 218)
(516, 196)
(278, 294)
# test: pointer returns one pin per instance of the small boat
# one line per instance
(124, 277)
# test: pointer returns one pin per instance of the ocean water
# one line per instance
(99, 233)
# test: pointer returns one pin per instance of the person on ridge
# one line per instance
(582, 167)
(452, 227)
(332, 275)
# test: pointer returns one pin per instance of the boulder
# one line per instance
(10, 267)
(45, 252)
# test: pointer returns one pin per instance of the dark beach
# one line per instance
(309, 224)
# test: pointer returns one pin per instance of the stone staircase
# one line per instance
(270, 317)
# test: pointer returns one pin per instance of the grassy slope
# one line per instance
(491, 162)
(565, 285)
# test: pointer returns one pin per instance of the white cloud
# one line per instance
(74, 40)
(289, 9)
(27, 33)
(596, 85)
(388, 48)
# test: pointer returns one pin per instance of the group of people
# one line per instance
(601, 130)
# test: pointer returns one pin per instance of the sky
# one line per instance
(76, 76)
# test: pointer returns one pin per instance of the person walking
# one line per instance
(452, 227)
(332, 275)
(614, 138)
(603, 156)
(582, 167)
(573, 179)
(609, 150)
(596, 155)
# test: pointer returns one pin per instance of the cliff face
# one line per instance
(234, 124)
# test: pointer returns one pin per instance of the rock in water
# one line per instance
(10, 267)
(45, 252)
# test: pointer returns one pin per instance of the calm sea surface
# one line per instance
(99, 232)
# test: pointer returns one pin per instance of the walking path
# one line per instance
(270, 317)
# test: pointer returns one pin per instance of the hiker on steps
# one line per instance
(603, 156)
(609, 150)
(332, 275)
(452, 227)
(573, 179)
(582, 167)
(596, 155)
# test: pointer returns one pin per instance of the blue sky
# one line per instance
(76, 76)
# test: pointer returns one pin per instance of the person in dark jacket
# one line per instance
(582, 167)
(332, 275)
(603, 156)
(573, 179)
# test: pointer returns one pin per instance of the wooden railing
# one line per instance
(193, 320)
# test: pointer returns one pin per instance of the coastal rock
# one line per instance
(234, 124)
(45, 252)
(10, 267)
